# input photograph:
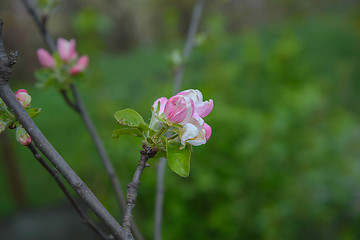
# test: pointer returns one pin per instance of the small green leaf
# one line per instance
(45, 77)
(33, 112)
(144, 127)
(129, 117)
(127, 131)
(178, 159)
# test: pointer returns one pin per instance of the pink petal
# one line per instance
(179, 109)
(45, 59)
(80, 65)
(195, 95)
(20, 91)
(66, 49)
(207, 129)
(203, 109)
(163, 101)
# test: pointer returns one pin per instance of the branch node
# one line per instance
(13, 57)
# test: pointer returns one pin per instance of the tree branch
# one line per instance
(49, 151)
(134, 184)
(178, 76)
(79, 107)
(160, 171)
(54, 173)
(64, 93)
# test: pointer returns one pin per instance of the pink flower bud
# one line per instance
(207, 129)
(22, 136)
(80, 65)
(179, 109)
(66, 49)
(23, 97)
(201, 108)
(162, 101)
(45, 59)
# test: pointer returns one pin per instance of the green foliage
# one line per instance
(178, 158)
(46, 78)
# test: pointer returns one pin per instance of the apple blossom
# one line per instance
(187, 110)
(23, 97)
(179, 109)
(22, 136)
(67, 49)
(45, 58)
(80, 65)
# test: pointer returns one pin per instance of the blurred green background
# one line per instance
(283, 161)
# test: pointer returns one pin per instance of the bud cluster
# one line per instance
(63, 65)
(7, 119)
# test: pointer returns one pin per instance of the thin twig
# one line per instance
(178, 76)
(79, 107)
(134, 184)
(189, 44)
(41, 25)
(64, 93)
(160, 170)
(7, 95)
(54, 173)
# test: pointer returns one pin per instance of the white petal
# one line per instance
(190, 131)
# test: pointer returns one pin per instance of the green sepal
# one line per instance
(46, 78)
(129, 118)
(178, 159)
(127, 131)
(33, 112)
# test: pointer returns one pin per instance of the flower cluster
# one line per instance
(63, 64)
(67, 53)
(184, 113)
(7, 119)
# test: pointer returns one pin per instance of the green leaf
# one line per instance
(127, 131)
(129, 117)
(45, 77)
(160, 154)
(178, 159)
(144, 127)
(33, 112)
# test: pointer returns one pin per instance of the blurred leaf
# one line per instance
(33, 112)
(45, 77)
